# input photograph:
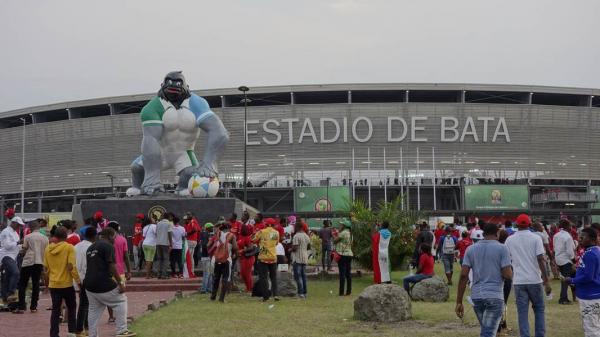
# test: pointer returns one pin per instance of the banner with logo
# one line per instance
(321, 199)
(496, 197)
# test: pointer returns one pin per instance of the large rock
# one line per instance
(383, 303)
(430, 290)
(286, 285)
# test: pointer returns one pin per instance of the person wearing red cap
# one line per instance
(99, 221)
(267, 239)
(529, 275)
(136, 241)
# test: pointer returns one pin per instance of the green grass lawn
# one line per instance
(326, 314)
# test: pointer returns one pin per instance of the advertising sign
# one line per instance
(496, 197)
(321, 199)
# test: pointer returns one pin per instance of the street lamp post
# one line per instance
(245, 89)
(23, 170)
(112, 183)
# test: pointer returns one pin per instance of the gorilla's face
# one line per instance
(174, 88)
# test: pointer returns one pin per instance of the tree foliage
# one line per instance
(401, 221)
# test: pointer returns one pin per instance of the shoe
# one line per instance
(213, 298)
(18, 311)
(12, 298)
(70, 334)
(33, 311)
(276, 298)
(565, 302)
(126, 333)
(111, 320)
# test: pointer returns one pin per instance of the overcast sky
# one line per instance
(54, 51)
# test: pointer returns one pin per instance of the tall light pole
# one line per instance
(112, 183)
(245, 89)
(23, 170)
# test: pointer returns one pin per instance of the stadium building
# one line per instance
(449, 149)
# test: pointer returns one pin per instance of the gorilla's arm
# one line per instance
(215, 145)
(152, 159)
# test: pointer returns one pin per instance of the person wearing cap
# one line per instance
(207, 272)
(136, 241)
(447, 251)
(34, 246)
(267, 240)
(343, 246)
(529, 276)
(564, 255)
(99, 221)
(477, 235)
(10, 245)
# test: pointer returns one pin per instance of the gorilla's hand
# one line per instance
(206, 170)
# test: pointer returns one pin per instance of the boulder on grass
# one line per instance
(430, 290)
(383, 303)
(286, 285)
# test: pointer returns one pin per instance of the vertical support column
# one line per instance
(69, 115)
(349, 97)
(292, 100)
(530, 98)
(111, 108)
(223, 101)
(406, 92)
(39, 202)
(463, 95)
(591, 101)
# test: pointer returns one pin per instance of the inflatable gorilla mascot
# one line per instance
(171, 124)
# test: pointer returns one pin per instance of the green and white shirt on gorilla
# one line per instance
(180, 128)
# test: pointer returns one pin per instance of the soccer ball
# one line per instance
(203, 187)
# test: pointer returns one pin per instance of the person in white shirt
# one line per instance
(89, 237)
(529, 276)
(564, 255)
(149, 245)
(34, 246)
(10, 245)
(175, 256)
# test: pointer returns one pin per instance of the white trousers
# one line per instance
(112, 299)
(590, 315)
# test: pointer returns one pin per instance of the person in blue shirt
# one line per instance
(587, 283)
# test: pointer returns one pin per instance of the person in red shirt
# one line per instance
(258, 222)
(192, 231)
(462, 246)
(439, 232)
(246, 247)
(136, 241)
(425, 269)
(72, 236)
(235, 226)
(279, 228)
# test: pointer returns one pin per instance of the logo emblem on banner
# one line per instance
(156, 212)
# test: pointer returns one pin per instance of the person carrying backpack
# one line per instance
(222, 246)
(448, 250)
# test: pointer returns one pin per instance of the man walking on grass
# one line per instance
(10, 246)
(490, 262)
(104, 286)
(564, 256)
(530, 277)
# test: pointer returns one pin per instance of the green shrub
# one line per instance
(363, 221)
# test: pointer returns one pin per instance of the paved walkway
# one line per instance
(38, 324)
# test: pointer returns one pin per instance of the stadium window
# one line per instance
(320, 97)
(128, 107)
(559, 99)
(434, 96)
(276, 98)
(377, 96)
(90, 111)
(496, 97)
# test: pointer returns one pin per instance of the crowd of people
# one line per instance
(94, 263)
(495, 259)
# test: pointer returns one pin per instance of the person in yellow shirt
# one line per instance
(267, 240)
(59, 275)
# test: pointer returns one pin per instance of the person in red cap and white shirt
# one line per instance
(10, 245)
(529, 276)
(99, 221)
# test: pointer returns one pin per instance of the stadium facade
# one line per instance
(434, 143)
